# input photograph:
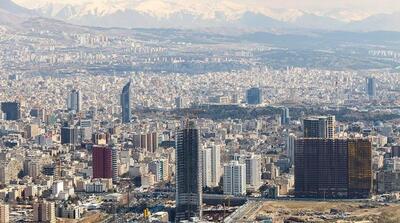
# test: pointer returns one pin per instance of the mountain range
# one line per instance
(194, 14)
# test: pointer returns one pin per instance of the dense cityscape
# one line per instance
(159, 125)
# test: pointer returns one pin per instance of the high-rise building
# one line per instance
(143, 141)
(371, 87)
(290, 146)
(4, 174)
(58, 187)
(74, 101)
(146, 141)
(333, 168)
(32, 168)
(254, 96)
(69, 135)
(319, 127)
(253, 171)
(4, 213)
(211, 166)
(126, 103)
(149, 142)
(285, 116)
(331, 120)
(115, 175)
(86, 130)
(215, 165)
(188, 173)
(160, 169)
(11, 110)
(206, 159)
(154, 140)
(44, 211)
(234, 179)
(102, 162)
(179, 102)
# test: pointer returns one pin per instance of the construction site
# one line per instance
(316, 211)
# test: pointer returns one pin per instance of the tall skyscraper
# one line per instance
(206, 159)
(149, 142)
(44, 211)
(319, 127)
(188, 173)
(126, 103)
(11, 110)
(215, 165)
(253, 171)
(74, 101)
(371, 87)
(254, 96)
(154, 140)
(285, 116)
(333, 168)
(290, 146)
(114, 163)
(234, 178)
(102, 158)
(211, 166)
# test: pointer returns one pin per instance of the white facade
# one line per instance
(211, 159)
(331, 126)
(115, 157)
(58, 187)
(290, 143)
(234, 178)
(215, 165)
(253, 171)
(206, 159)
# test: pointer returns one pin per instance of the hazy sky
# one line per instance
(370, 6)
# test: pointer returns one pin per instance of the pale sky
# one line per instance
(370, 6)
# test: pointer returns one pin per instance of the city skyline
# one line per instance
(199, 111)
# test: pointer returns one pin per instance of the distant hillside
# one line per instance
(11, 7)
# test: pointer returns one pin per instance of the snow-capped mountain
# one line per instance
(201, 14)
(205, 9)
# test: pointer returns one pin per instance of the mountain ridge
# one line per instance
(224, 13)
(11, 7)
